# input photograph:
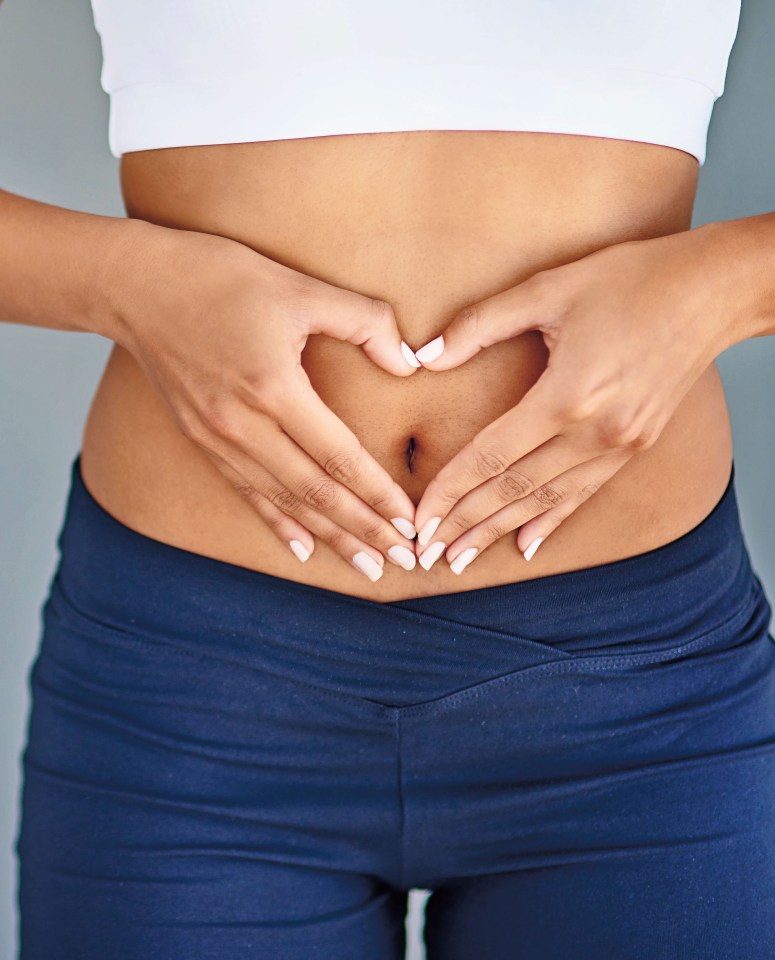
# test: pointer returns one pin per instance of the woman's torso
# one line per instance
(430, 221)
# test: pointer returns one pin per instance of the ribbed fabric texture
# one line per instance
(227, 71)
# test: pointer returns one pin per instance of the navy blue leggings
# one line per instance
(225, 764)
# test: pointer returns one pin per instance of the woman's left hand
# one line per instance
(629, 329)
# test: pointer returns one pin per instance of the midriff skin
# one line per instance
(429, 221)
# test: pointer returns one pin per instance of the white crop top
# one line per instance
(185, 72)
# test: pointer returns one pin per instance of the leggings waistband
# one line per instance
(403, 651)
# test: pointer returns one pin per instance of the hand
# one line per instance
(629, 329)
(219, 330)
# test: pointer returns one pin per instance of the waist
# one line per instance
(429, 222)
(697, 591)
(135, 457)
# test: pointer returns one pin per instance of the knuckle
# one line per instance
(378, 501)
(612, 430)
(624, 431)
(284, 499)
(337, 539)
(551, 288)
(247, 491)
(220, 417)
(645, 439)
(540, 282)
(551, 291)
(549, 494)
(321, 492)
(343, 466)
(381, 312)
(469, 320)
(494, 530)
(194, 429)
(300, 289)
(589, 489)
(636, 441)
(577, 408)
(458, 521)
(442, 490)
(448, 499)
(249, 382)
(588, 397)
(372, 532)
(487, 462)
(268, 396)
(512, 485)
(275, 523)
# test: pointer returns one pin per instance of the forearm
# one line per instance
(739, 265)
(58, 267)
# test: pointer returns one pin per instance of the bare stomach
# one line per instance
(429, 221)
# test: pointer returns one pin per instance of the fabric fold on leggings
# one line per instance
(403, 652)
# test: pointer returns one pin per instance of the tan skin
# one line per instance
(429, 221)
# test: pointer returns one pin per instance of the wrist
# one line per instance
(738, 263)
(121, 271)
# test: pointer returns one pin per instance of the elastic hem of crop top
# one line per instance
(350, 95)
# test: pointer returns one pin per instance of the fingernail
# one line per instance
(428, 530)
(533, 547)
(432, 554)
(299, 549)
(409, 356)
(404, 527)
(462, 560)
(431, 351)
(403, 556)
(368, 565)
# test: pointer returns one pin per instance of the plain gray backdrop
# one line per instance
(53, 131)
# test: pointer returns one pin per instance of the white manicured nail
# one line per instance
(403, 556)
(368, 565)
(409, 356)
(428, 530)
(432, 554)
(533, 547)
(404, 527)
(431, 351)
(299, 549)
(462, 560)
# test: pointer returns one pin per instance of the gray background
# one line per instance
(53, 130)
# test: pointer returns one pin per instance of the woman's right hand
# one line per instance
(219, 330)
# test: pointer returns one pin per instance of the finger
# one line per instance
(250, 479)
(527, 479)
(477, 326)
(532, 534)
(331, 444)
(366, 322)
(535, 522)
(501, 443)
(257, 444)
(288, 530)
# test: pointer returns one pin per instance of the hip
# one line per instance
(115, 588)
(144, 472)
(201, 727)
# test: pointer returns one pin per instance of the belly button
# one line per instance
(411, 448)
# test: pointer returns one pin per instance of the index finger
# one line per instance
(329, 441)
(512, 436)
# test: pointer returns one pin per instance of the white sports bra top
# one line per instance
(186, 72)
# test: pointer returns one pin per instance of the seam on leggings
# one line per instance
(596, 664)
(380, 710)
(401, 802)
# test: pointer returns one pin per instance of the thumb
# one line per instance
(369, 323)
(477, 326)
